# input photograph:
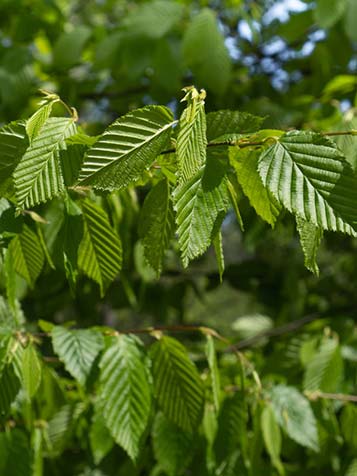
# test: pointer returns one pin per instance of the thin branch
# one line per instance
(342, 397)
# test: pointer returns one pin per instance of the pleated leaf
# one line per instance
(13, 143)
(294, 414)
(246, 165)
(36, 122)
(306, 173)
(126, 392)
(156, 225)
(100, 251)
(77, 349)
(101, 441)
(191, 139)
(200, 205)
(31, 370)
(310, 239)
(231, 124)
(127, 148)
(177, 384)
(325, 370)
(173, 447)
(9, 388)
(27, 254)
(38, 175)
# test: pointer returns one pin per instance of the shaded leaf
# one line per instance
(310, 239)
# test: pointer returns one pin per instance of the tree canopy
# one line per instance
(177, 238)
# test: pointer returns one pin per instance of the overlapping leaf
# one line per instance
(201, 204)
(156, 224)
(293, 413)
(127, 148)
(13, 143)
(231, 124)
(306, 173)
(126, 392)
(177, 384)
(38, 175)
(77, 349)
(27, 255)
(100, 251)
(310, 239)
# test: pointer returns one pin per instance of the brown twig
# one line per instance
(342, 397)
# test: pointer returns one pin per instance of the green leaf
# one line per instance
(272, 437)
(36, 122)
(306, 173)
(38, 175)
(232, 427)
(201, 204)
(27, 254)
(153, 19)
(205, 52)
(100, 251)
(325, 370)
(348, 425)
(214, 372)
(9, 388)
(101, 441)
(127, 148)
(310, 239)
(126, 392)
(231, 124)
(18, 454)
(71, 161)
(31, 370)
(191, 139)
(13, 143)
(77, 349)
(61, 427)
(173, 447)
(328, 12)
(293, 413)
(350, 19)
(177, 384)
(156, 224)
(245, 163)
(68, 47)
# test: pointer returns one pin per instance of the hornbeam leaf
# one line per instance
(100, 251)
(9, 388)
(157, 224)
(77, 349)
(245, 163)
(127, 148)
(272, 437)
(201, 204)
(31, 370)
(231, 124)
(38, 175)
(306, 173)
(126, 392)
(293, 413)
(13, 143)
(191, 139)
(27, 254)
(310, 239)
(177, 384)
(36, 122)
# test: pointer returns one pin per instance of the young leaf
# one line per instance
(38, 175)
(205, 52)
(191, 139)
(100, 251)
(173, 447)
(214, 372)
(156, 225)
(126, 392)
(272, 437)
(13, 143)
(245, 163)
(231, 124)
(293, 413)
(101, 441)
(177, 384)
(127, 148)
(27, 254)
(325, 370)
(306, 173)
(36, 122)
(77, 349)
(9, 388)
(310, 239)
(201, 204)
(31, 370)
